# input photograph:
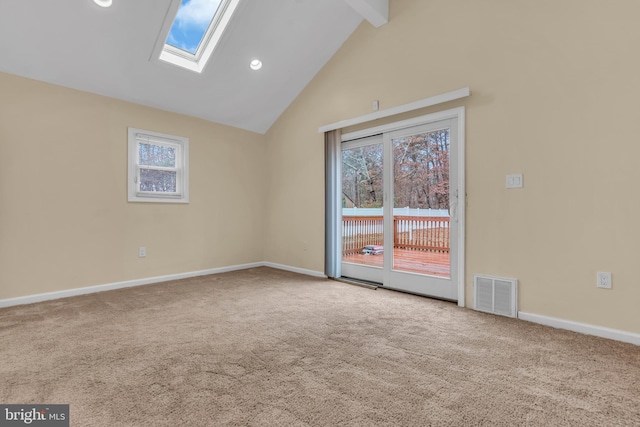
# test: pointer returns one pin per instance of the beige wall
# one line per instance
(64, 217)
(555, 92)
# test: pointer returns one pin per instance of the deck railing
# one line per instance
(419, 233)
(428, 233)
(359, 231)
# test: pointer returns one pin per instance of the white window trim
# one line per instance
(182, 167)
(194, 62)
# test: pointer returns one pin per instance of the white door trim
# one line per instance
(405, 108)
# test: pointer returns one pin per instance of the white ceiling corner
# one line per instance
(374, 11)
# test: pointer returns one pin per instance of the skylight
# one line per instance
(195, 31)
(191, 23)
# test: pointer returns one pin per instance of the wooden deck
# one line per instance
(433, 263)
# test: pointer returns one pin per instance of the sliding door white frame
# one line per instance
(459, 114)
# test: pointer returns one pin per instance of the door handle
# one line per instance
(453, 207)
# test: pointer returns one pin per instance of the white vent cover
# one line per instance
(497, 295)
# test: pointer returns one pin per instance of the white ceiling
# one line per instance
(76, 44)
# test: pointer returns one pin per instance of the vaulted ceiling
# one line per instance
(110, 51)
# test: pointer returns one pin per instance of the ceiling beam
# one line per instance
(374, 11)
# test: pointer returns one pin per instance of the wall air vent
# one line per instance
(497, 295)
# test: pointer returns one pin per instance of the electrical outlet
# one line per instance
(604, 280)
(142, 252)
(515, 181)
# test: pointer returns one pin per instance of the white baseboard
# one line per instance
(30, 299)
(583, 328)
(304, 271)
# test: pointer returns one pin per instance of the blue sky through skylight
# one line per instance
(191, 23)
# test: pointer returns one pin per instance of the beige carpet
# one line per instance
(263, 347)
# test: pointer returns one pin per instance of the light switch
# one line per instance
(515, 181)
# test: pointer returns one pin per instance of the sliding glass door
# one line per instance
(399, 209)
(362, 209)
(424, 191)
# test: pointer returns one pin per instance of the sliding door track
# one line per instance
(360, 282)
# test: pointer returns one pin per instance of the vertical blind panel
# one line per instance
(333, 211)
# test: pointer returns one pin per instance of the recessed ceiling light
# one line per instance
(103, 3)
(255, 64)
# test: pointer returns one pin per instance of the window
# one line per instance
(192, 21)
(158, 167)
(195, 31)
